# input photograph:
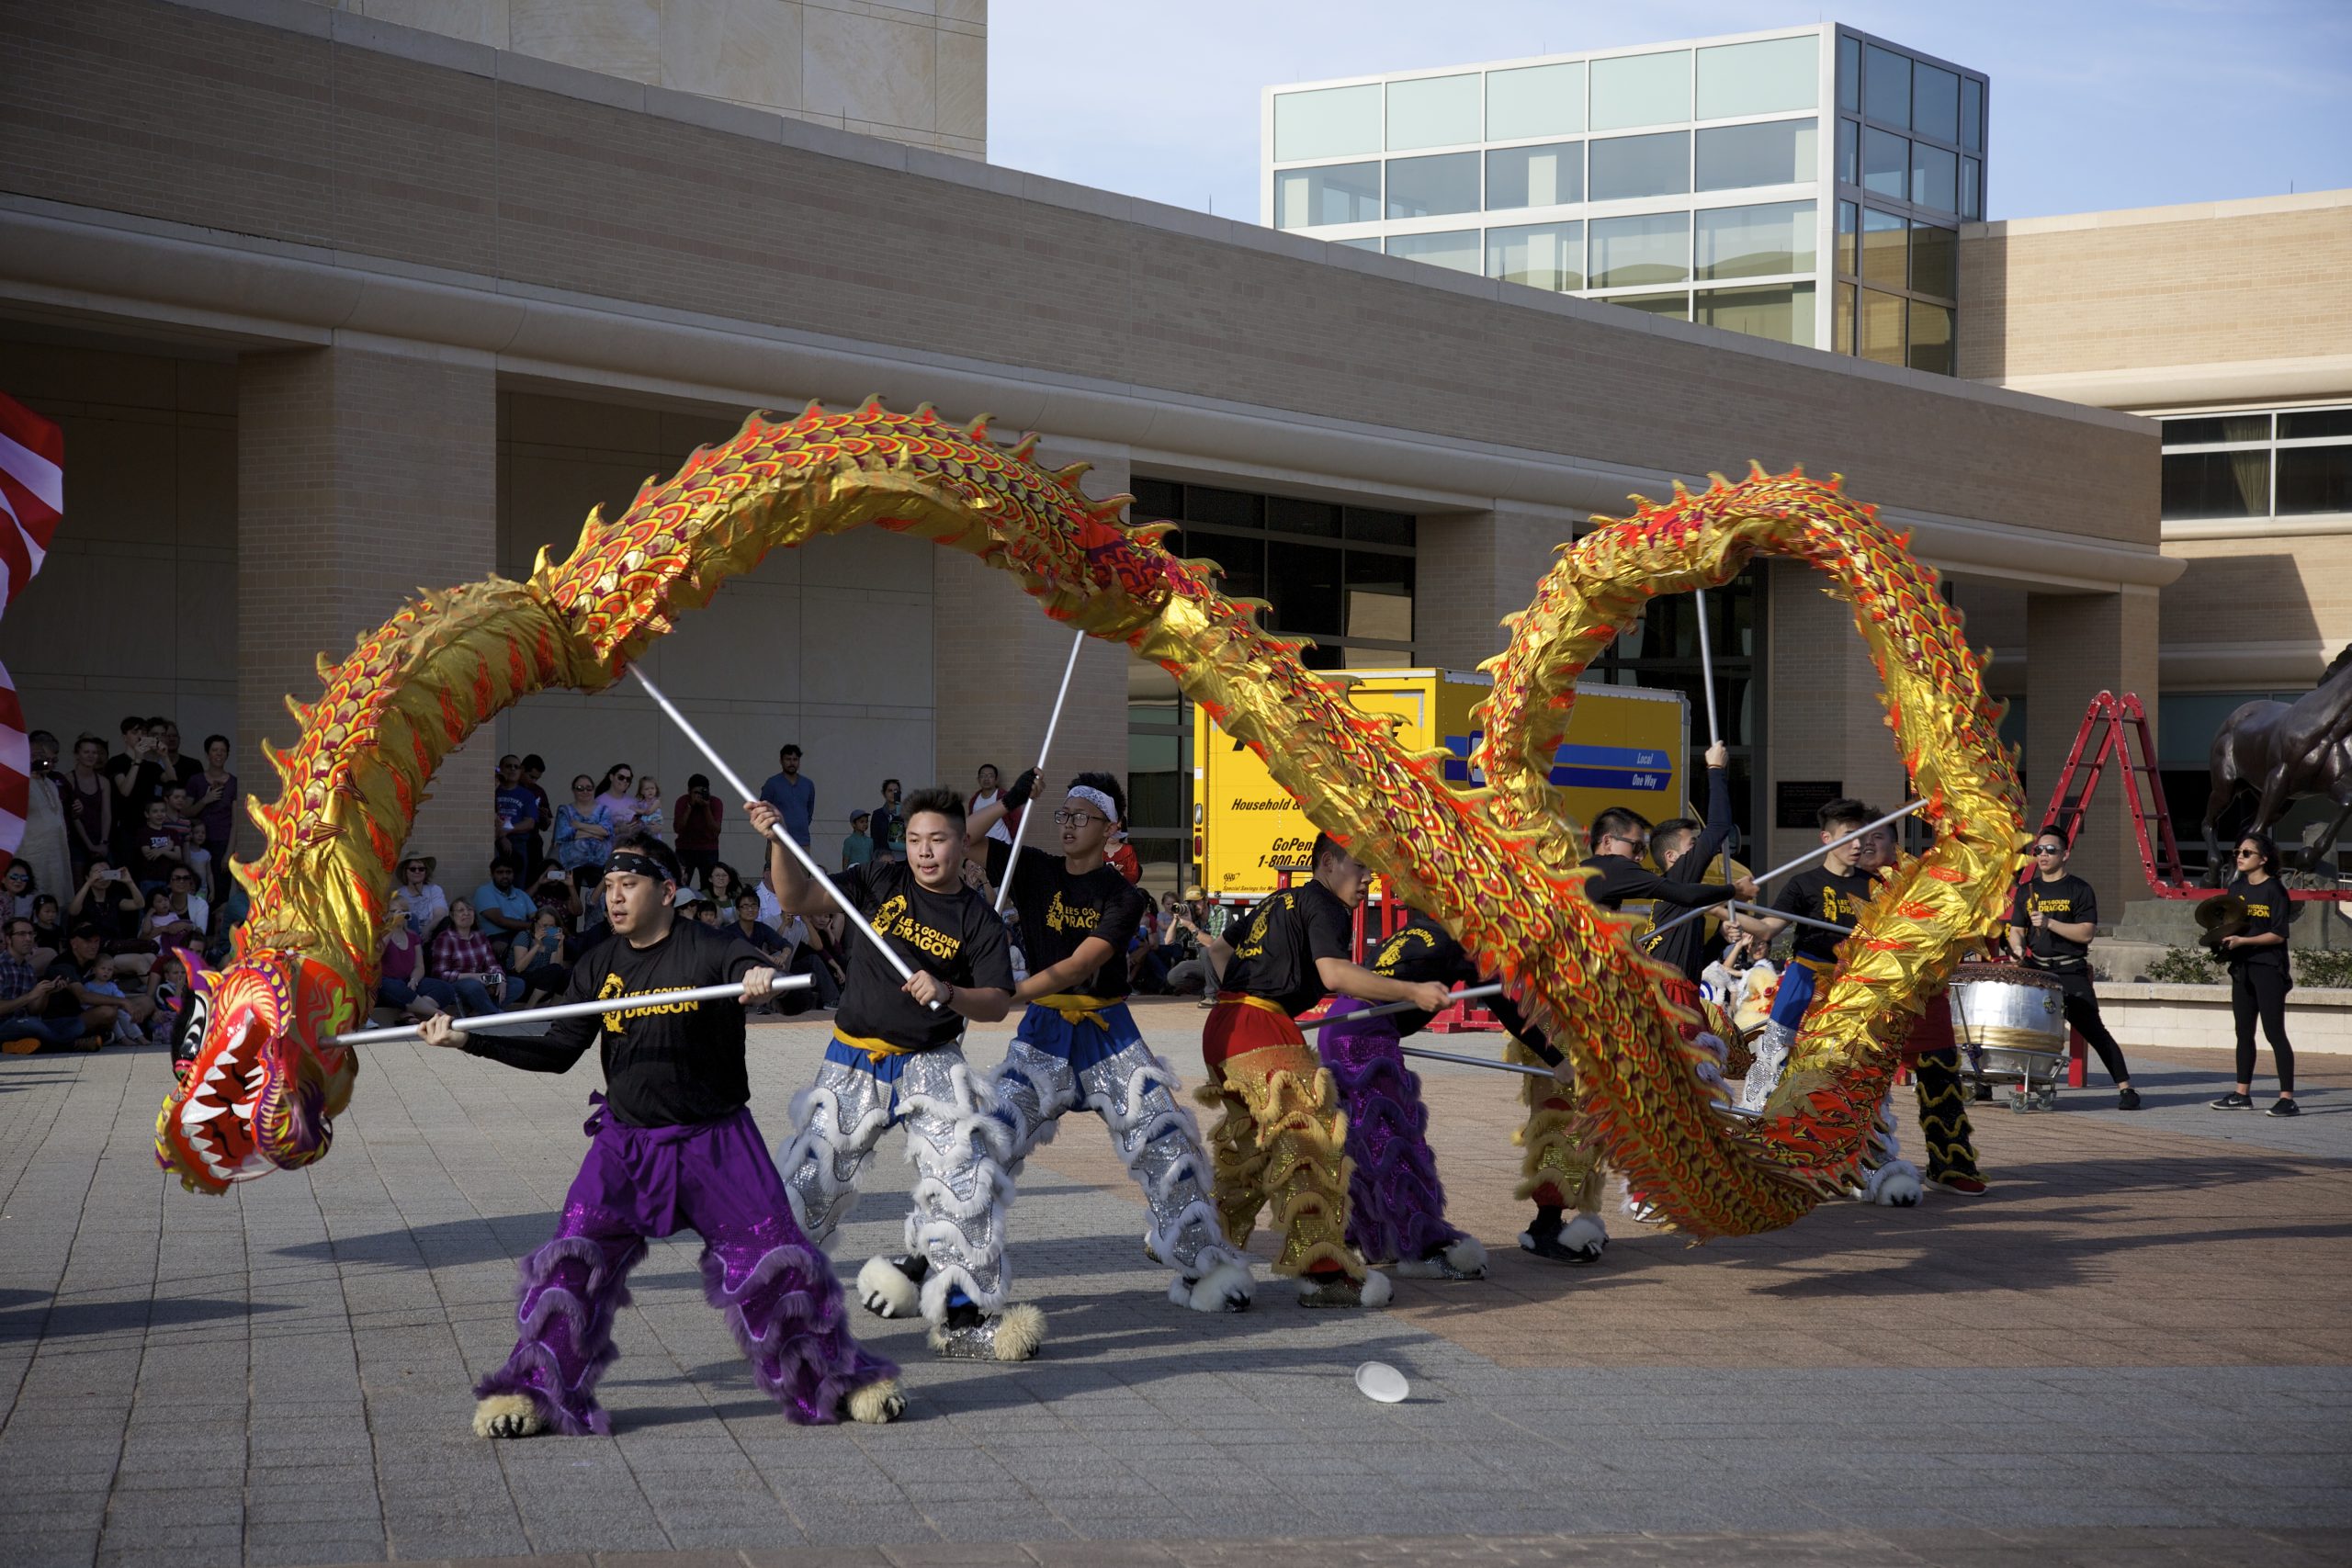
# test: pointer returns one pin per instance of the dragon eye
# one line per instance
(188, 1038)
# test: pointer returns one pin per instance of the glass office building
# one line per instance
(1806, 186)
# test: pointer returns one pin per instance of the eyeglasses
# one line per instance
(1072, 818)
(1636, 845)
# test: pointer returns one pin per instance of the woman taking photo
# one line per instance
(2259, 979)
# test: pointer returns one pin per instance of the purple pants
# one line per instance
(776, 1292)
(1396, 1203)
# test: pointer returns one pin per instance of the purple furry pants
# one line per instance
(1396, 1203)
(777, 1292)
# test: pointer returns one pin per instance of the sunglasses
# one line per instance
(2249, 854)
(2049, 849)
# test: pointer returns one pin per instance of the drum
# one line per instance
(2010, 1024)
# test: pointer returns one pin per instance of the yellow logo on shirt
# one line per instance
(1061, 917)
(616, 1022)
(1253, 942)
(893, 920)
(1390, 954)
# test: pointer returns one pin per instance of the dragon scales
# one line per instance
(258, 1089)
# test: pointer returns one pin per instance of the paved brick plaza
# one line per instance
(2134, 1349)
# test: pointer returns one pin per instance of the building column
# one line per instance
(361, 476)
(1474, 567)
(2078, 645)
(999, 658)
(1825, 730)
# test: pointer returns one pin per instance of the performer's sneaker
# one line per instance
(1557, 1241)
(2232, 1102)
(2127, 1100)
(892, 1287)
(1345, 1290)
(1959, 1181)
(1462, 1258)
(1014, 1334)
(2284, 1106)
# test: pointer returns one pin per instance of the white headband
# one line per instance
(1093, 797)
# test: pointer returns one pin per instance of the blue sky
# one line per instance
(2095, 104)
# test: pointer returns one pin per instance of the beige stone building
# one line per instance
(331, 306)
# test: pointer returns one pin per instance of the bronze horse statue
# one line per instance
(2286, 752)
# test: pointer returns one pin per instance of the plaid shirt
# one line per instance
(16, 976)
(463, 953)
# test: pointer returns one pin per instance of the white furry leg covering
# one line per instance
(1888, 1178)
(959, 1147)
(836, 1121)
(1135, 1093)
(1771, 1059)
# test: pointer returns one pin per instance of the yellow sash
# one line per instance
(1076, 1009)
(1246, 1000)
(874, 1049)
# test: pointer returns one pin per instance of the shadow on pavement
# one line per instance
(43, 1319)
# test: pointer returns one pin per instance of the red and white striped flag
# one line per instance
(32, 499)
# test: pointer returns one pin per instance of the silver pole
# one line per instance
(792, 845)
(492, 1023)
(1793, 920)
(1532, 1072)
(1803, 860)
(1707, 681)
(1472, 995)
(1005, 893)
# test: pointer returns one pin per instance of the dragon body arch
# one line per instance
(260, 1090)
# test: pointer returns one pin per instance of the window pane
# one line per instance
(1931, 337)
(1380, 596)
(1224, 508)
(1935, 101)
(1972, 114)
(1782, 313)
(1369, 243)
(1303, 584)
(1542, 175)
(2212, 428)
(1756, 241)
(1849, 74)
(1881, 322)
(1935, 261)
(1841, 319)
(1674, 307)
(1544, 255)
(1887, 85)
(1240, 563)
(1334, 193)
(1884, 261)
(1156, 501)
(1777, 152)
(1765, 77)
(1335, 122)
(1289, 514)
(1847, 217)
(1972, 187)
(1424, 188)
(1373, 526)
(1535, 101)
(1886, 161)
(1434, 111)
(1849, 158)
(1652, 248)
(1626, 166)
(2315, 478)
(1456, 248)
(2308, 423)
(1641, 89)
(1935, 177)
(2216, 484)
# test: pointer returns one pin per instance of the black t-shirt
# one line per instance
(1686, 947)
(1422, 951)
(674, 1065)
(130, 810)
(953, 935)
(2067, 899)
(2267, 909)
(1826, 895)
(1059, 912)
(1617, 878)
(1274, 956)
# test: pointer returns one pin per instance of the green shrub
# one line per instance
(2323, 968)
(2185, 966)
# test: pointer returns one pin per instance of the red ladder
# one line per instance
(2112, 724)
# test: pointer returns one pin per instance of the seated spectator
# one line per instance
(220, 808)
(405, 987)
(804, 956)
(652, 822)
(179, 820)
(538, 957)
(518, 816)
(25, 999)
(723, 884)
(190, 905)
(696, 820)
(752, 928)
(502, 907)
(427, 904)
(167, 927)
(706, 912)
(463, 957)
(108, 899)
(104, 982)
(48, 930)
(234, 910)
(16, 892)
(857, 848)
(553, 891)
(583, 828)
(156, 849)
(91, 1012)
(827, 932)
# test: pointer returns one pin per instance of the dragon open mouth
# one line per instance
(216, 1116)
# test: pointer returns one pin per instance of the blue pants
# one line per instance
(48, 1030)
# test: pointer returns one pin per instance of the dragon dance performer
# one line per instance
(1684, 850)
(897, 1056)
(1281, 1137)
(675, 1148)
(1078, 1043)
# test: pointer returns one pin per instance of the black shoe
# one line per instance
(2232, 1102)
(2284, 1106)
(2127, 1100)
(1984, 1093)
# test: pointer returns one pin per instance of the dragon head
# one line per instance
(256, 1090)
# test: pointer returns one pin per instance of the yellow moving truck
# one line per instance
(1626, 747)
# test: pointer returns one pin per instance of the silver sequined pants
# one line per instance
(959, 1149)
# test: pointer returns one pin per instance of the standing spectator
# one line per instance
(503, 909)
(534, 767)
(2259, 978)
(998, 840)
(89, 805)
(180, 821)
(427, 904)
(44, 846)
(404, 984)
(25, 998)
(857, 848)
(538, 958)
(177, 770)
(156, 849)
(887, 827)
(696, 822)
(650, 822)
(583, 828)
(463, 957)
(618, 794)
(136, 778)
(1123, 859)
(794, 796)
(217, 805)
(518, 814)
(48, 929)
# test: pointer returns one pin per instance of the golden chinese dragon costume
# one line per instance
(1499, 866)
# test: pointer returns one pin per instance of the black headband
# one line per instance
(637, 863)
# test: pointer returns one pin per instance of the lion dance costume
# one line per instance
(1498, 867)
